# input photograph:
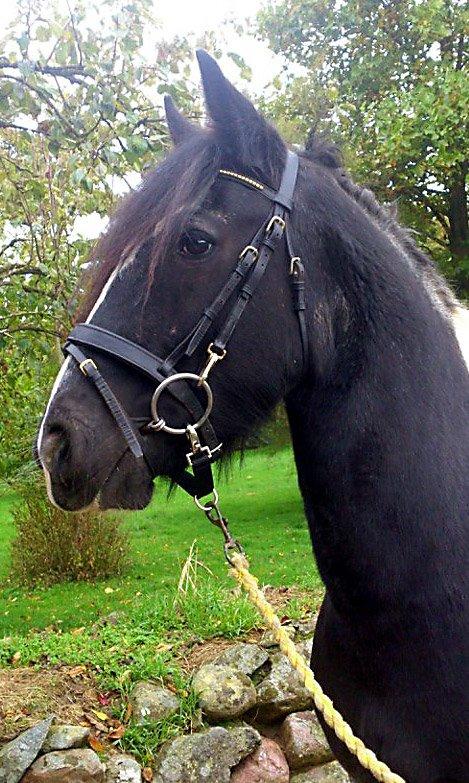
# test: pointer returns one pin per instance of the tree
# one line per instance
(77, 120)
(389, 79)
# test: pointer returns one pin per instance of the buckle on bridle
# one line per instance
(82, 366)
(275, 219)
(249, 249)
(295, 265)
(191, 455)
(196, 447)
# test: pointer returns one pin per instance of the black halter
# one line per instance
(244, 279)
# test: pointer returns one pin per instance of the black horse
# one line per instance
(378, 411)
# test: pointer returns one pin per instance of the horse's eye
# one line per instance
(196, 243)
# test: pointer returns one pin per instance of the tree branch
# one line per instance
(69, 72)
(47, 100)
(10, 244)
(28, 328)
(23, 128)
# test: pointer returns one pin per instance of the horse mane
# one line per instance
(328, 155)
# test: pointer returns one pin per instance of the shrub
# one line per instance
(55, 546)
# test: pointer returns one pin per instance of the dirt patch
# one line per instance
(27, 696)
(280, 596)
(196, 655)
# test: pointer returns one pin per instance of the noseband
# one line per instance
(205, 447)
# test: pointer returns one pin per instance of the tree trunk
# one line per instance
(459, 228)
(457, 214)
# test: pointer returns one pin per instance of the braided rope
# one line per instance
(333, 718)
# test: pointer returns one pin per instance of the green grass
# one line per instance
(265, 511)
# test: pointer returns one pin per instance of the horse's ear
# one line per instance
(241, 129)
(179, 127)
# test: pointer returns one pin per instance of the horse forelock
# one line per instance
(149, 218)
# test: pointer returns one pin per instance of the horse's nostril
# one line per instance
(55, 443)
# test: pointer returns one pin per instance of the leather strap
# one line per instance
(90, 370)
(267, 248)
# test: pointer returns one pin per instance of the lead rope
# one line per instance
(237, 559)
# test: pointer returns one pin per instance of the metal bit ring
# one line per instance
(158, 423)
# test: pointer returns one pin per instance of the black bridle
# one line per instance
(205, 448)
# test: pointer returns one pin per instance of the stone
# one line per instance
(151, 702)
(16, 756)
(305, 628)
(123, 769)
(281, 692)
(305, 647)
(113, 618)
(224, 692)
(245, 658)
(268, 639)
(266, 765)
(328, 773)
(303, 741)
(207, 757)
(80, 765)
(64, 737)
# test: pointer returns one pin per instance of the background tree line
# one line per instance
(78, 119)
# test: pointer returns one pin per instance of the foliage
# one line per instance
(389, 82)
(79, 119)
(54, 546)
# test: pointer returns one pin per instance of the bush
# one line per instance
(56, 546)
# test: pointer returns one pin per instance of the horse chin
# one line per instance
(127, 487)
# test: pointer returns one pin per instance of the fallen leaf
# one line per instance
(101, 715)
(128, 713)
(76, 670)
(96, 723)
(108, 590)
(117, 733)
(147, 773)
(16, 657)
(96, 744)
(163, 647)
(77, 631)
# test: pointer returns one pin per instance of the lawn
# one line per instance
(262, 502)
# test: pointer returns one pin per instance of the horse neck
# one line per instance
(381, 450)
